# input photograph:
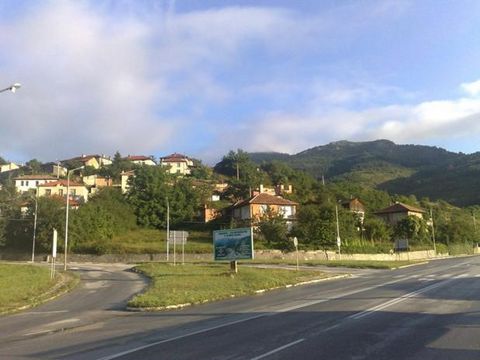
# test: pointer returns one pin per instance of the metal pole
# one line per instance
(35, 226)
(66, 220)
(433, 233)
(174, 245)
(66, 215)
(168, 228)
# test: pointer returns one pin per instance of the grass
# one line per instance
(25, 286)
(151, 241)
(198, 283)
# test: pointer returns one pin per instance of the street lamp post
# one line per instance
(35, 225)
(66, 215)
(11, 88)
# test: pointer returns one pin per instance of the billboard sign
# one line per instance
(233, 244)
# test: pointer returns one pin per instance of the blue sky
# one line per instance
(203, 77)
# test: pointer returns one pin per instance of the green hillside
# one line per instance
(424, 171)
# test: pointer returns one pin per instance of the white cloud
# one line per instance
(472, 88)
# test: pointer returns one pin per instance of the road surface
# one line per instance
(423, 312)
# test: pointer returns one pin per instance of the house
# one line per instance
(141, 160)
(54, 169)
(125, 176)
(96, 161)
(258, 205)
(398, 211)
(78, 192)
(96, 182)
(85, 160)
(178, 163)
(355, 206)
(9, 167)
(277, 190)
(30, 182)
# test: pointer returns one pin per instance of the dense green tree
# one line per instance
(272, 226)
(34, 165)
(316, 226)
(376, 230)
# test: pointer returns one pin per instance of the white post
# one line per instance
(433, 233)
(174, 245)
(54, 253)
(183, 247)
(339, 241)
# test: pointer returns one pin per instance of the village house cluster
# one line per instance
(54, 181)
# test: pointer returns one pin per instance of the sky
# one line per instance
(203, 77)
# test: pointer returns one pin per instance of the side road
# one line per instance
(102, 293)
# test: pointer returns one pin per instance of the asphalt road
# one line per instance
(423, 312)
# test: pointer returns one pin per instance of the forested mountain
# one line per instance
(424, 171)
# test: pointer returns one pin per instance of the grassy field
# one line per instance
(197, 283)
(29, 285)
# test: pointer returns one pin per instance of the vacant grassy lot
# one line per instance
(28, 285)
(197, 283)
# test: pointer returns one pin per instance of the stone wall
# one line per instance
(259, 254)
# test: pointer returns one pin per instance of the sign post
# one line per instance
(54, 254)
(178, 236)
(232, 245)
(295, 243)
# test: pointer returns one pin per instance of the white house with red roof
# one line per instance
(178, 163)
(30, 182)
(260, 204)
(141, 160)
(59, 188)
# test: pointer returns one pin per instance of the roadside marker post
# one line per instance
(54, 254)
(178, 236)
(295, 243)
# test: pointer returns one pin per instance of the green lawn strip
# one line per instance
(28, 285)
(357, 264)
(152, 241)
(198, 283)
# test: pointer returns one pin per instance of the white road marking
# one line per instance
(278, 349)
(396, 301)
(45, 312)
(295, 307)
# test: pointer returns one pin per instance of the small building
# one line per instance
(78, 192)
(54, 169)
(125, 176)
(8, 167)
(141, 160)
(85, 160)
(398, 211)
(258, 205)
(355, 206)
(178, 163)
(31, 182)
(277, 190)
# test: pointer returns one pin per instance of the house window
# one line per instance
(36, 183)
(263, 209)
(26, 183)
(21, 183)
(48, 192)
(60, 192)
(73, 192)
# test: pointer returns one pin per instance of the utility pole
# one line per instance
(339, 241)
(168, 228)
(35, 226)
(433, 232)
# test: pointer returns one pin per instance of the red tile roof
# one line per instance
(265, 199)
(399, 208)
(35, 177)
(138, 158)
(60, 183)
(175, 157)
